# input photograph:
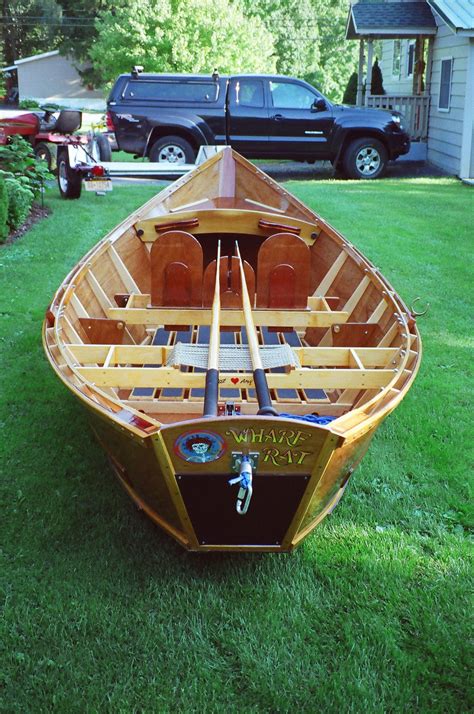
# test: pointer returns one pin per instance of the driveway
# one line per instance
(321, 170)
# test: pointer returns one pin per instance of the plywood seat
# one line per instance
(230, 283)
(283, 268)
(176, 263)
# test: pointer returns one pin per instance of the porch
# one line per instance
(369, 22)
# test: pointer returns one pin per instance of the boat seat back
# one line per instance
(176, 270)
(283, 268)
(230, 283)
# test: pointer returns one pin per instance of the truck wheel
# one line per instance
(69, 181)
(43, 153)
(172, 150)
(103, 145)
(365, 159)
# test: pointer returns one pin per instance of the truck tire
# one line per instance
(69, 181)
(365, 158)
(172, 150)
(103, 145)
(43, 153)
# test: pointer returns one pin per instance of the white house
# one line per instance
(51, 77)
(427, 61)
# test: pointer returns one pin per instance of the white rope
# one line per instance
(232, 358)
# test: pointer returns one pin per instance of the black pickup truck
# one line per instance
(168, 117)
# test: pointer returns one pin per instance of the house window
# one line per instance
(396, 61)
(410, 59)
(445, 84)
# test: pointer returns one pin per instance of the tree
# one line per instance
(79, 32)
(337, 55)
(376, 86)
(176, 36)
(28, 27)
(350, 94)
(294, 26)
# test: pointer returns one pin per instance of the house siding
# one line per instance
(445, 128)
(402, 84)
(47, 78)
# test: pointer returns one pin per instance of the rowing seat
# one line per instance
(229, 281)
(283, 269)
(176, 263)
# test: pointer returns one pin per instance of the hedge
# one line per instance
(20, 200)
(4, 228)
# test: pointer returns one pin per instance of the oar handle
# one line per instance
(211, 390)
(259, 377)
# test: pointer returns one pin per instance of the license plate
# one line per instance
(98, 184)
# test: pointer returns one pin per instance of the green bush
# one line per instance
(350, 94)
(3, 210)
(377, 79)
(17, 159)
(28, 104)
(20, 199)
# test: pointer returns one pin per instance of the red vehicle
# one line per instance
(46, 128)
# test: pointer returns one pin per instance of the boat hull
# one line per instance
(306, 362)
(302, 471)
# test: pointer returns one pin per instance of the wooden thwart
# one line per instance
(296, 379)
(270, 318)
(309, 356)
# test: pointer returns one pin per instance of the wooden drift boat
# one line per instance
(235, 355)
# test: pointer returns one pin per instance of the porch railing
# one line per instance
(414, 108)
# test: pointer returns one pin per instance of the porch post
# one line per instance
(429, 64)
(419, 66)
(368, 81)
(360, 74)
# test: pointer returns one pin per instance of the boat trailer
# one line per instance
(77, 167)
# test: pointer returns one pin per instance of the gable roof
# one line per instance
(390, 19)
(457, 14)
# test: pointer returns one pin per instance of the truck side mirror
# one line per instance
(319, 105)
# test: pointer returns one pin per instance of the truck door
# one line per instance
(297, 128)
(247, 117)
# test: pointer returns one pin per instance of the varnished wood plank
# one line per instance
(331, 275)
(296, 379)
(270, 318)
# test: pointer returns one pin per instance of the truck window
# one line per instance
(248, 93)
(172, 91)
(286, 95)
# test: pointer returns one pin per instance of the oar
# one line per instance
(259, 376)
(211, 393)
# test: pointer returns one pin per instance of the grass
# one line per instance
(103, 612)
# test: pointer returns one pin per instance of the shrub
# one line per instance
(20, 199)
(350, 94)
(17, 159)
(3, 210)
(28, 104)
(376, 86)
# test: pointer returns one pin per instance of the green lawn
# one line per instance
(103, 612)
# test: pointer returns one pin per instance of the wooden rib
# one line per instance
(273, 209)
(379, 311)
(389, 336)
(354, 360)
(353, 301)
(122, 270)
(187, 206)
(109, 356)
(98, 291)
(78, 307)
(198, 316)
(69, 330)
(331, 275)
(162, 377)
